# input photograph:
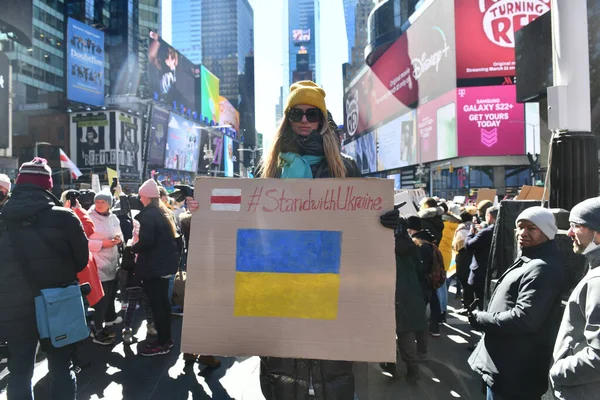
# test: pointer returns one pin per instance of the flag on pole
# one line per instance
(65, 162)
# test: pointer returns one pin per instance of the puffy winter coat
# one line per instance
(289, 378)
(157, 249)
(57, 250)
(431, 219)
(107, 258)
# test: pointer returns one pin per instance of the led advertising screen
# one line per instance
(491, 122)
(366, 153)
(396, 143)
(486, 45)
(129, 132)
(436, 128)
(228, 115)
(158, 137)
(4, 104)
(85, 63)
(94, 140)
(171, 75)
(210, 95)
(228, 156)
(183, 144)
(301, 36)
(419, 66)
(16, 18)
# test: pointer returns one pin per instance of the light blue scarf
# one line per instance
(297, 166)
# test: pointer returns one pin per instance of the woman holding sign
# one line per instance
(306, 146)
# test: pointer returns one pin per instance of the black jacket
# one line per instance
(520, 325)
(431, 219)
(157, 249)
(289, 378)
(478, 245)
(57, 251)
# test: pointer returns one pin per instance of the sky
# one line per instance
(268, 57)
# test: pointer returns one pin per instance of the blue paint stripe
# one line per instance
(287, 251)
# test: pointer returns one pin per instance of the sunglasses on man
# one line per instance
(312, 115)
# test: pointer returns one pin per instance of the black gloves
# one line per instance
(390, 219)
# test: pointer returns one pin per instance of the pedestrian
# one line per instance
(4, 189)
(478, 245)
(431, 213)
(57, 251)
(103, 245)
(411, 321)
(305, 146)
(514, 353)
(482, 208)
(575, 373)
(157, 260)
(463, 258)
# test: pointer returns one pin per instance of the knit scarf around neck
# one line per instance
(309, 151)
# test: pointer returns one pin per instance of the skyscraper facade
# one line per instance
(357, 56)
(349, 15)
(187, 28)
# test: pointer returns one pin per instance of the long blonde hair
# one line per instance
(157, 202)
(270, 165)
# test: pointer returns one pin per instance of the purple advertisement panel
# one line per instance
(158, 137)
(490, 121)
(436, 128)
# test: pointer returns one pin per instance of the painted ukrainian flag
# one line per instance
(287, 273)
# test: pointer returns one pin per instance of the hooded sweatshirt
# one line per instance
(107, 259)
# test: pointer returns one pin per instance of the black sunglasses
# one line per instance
(312, 115)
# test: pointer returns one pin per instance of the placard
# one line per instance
(292, 268)
(485, 194)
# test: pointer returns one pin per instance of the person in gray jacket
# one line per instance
(575, 373)
(514, 355)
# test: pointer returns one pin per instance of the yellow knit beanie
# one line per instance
(306, 92)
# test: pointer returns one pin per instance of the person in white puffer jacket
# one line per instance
(103, 245)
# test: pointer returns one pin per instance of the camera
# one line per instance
(72, 196)
(181, 192)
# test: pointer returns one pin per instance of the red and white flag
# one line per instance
(226, 200)
(65, 162)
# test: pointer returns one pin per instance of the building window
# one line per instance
(481, 177)
(60, 133)
(517, 176)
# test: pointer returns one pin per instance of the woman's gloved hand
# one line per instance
(390, 219)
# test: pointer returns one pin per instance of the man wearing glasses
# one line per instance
(576, 370)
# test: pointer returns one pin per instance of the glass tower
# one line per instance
(187, 28)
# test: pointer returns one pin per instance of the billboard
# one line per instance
(228, 115)
(298, 76)
(85, 63)
(366, 153)
(228, 156)
(485, 46)
(436, 128)
(210, 95)
(301, 36)
(158, 137)
(490, 121)
(171, 75)
(183, 144)
(302, 62)
(396, 143)
(129, 132)
(418, 66)
(4, 104)
(16, 18)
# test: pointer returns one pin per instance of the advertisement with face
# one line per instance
(366, 153)
(419, 66)
(171, 75)
(490, 121)
(436, 128)
(130, 140)
(93, 140)
(158, 137)
(396, 143)
(85, 63)
(228, 156)
(4, 104)
(210, 95)
(228, 115)
(183, 144)
(486, 45)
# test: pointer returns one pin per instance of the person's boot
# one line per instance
(127, 336)
(390, 368)
(412, 373)
(209, 361)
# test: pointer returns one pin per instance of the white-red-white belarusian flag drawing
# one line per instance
(226, 200)
(65, 162)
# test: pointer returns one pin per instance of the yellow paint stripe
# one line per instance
(309, 296)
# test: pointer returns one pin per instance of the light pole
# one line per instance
(35, 152)
(253, 151)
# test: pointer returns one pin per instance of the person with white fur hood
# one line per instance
(103, 245)
(5, 187)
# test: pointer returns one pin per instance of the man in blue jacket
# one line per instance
(478, 244)
(513, 356)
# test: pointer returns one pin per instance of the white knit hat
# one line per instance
(542, 218)
(5, 182)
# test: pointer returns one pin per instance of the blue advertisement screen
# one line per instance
(85, 63)
(183, 144)
(228, 156)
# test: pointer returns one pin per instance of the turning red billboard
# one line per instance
(490, 121)
(485, 45)
(418, 66)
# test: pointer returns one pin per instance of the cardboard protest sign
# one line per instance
(407, 209)
(291, 268)
(485, 194)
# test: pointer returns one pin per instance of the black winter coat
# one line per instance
(431, 219)
(479, 245)
(157, 249)
(410, 297)
(520, 325)
(289, 378)
(55, 263)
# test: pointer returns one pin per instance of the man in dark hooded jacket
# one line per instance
(57, 249)
(431, 218)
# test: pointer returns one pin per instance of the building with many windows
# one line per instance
(358, 37)
(187, 28)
